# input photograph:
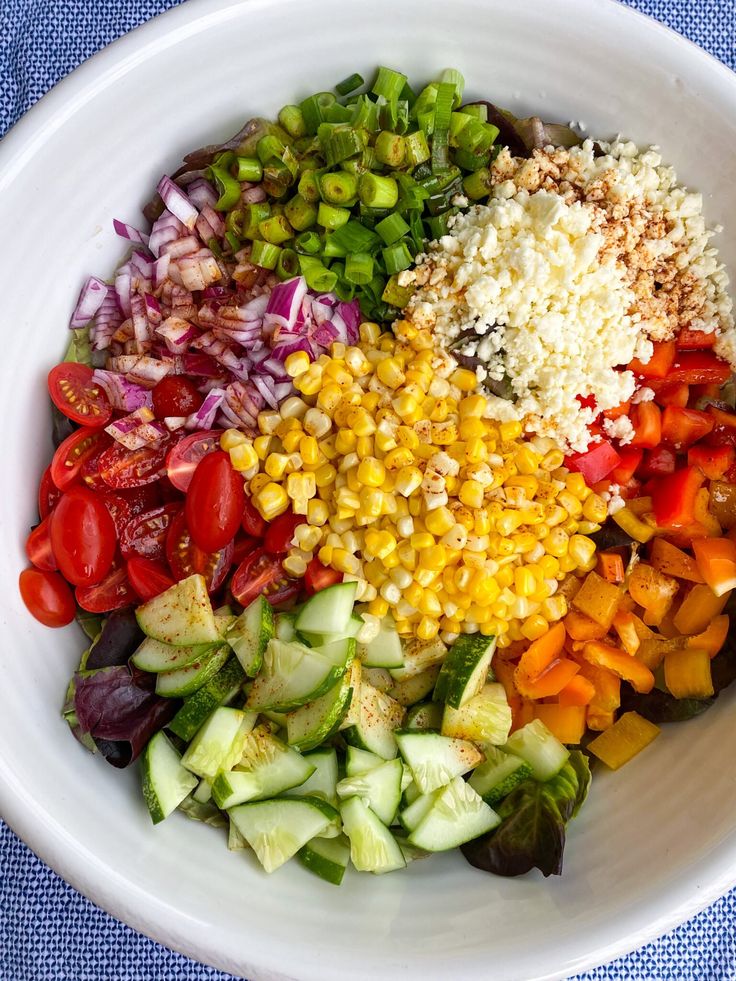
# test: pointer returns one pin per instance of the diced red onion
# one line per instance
(199, 270)
(180, 246)
(253, 195)
(217, 293)
(265, 386)
(127, 231)
(177, 202)
(153, 310)
(254, 309)
(215, 221)
(137, 429)
(178, 334)
(165, 229)
(324, 334)
(201, 193)
(173, 423)
(140, 264)
(107, 320)
(288, 344)
(123, 395)
(283, 390)
(321, 311)
(204, 417)
(285, 302)
(350, 313)
(142, 330)
(123, 281)
(91, 297)
(199, 365)
(275, 368)
(161, 270)
(140, 369)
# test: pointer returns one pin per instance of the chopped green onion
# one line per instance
(227, 186)
(339, 188)
(276, 229)
(472, 161)
(478, 184)
(493, 132)
(359, 268)
(396, 257)
(413, 195)
(417, 231)
(365, 115)
(477, 109)
(408, 95)
(338, 114)
(475, 137)
(402, 116)
(254, 215)
(317, 275)
(288, 264)
(451, 76)
(458, 122)
(355, 166)
(269, 146)
(302, 214)
(426, 101)
(395, 295)
(332, 248)
(371, 216)
(292, 120)
(349, 84)
(438, 224)
(331, 217)
(233, 241)
(313, 109)
(234, 222)
(291, 162)
(309, 186)
(249, 169)
(308, 243)
(378, 192)
(389, 84)
(392, 228)
(265, 255)
(390, 149)
(355, 237)
(344, 290)
(340, 143)
(440, 136)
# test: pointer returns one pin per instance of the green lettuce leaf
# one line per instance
(80, 349)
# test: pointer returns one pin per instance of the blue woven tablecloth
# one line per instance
(48, 932)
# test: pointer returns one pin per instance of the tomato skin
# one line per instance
(261, 573)
(148, 578)
(47, 597)
(70, 456)
(48, 494)
(145, 535)
(186, 558)
(124, 505)
(122, 468)
(215, 502)
(280, 532)
(243, 546)
(319, 577)
(38, 547)
(74, 393)
(175, 395)
(253, 522)
(82, 537)
(114, 592)
(183, 458)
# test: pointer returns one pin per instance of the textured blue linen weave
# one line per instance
(48, 932)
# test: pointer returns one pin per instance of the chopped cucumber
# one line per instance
(359, 761)
(416, 688)
(284, 628)
(465, 669)
(457, 815)
(326, 857)
(379, 788)
(435, 760)
(250, 633)
(372, 726)
(328, 611)
(499, 775)
(411, 791)
(224, 619)
(293, 675)
(355, 625)
(165, 781)
(323, 781)
(219, 743)
(235, 841)
(203, 793)
(316, 721)
(198, 707)
(267, 768)
(427, 715)
(385, 650)
(415, 812)
(182, 615)
(190, 678)
(155, 656)
(277, 829)
(341, 653)
(379, 678)
(372, 846)
(544, 752)
(419, 655)
(485, 719)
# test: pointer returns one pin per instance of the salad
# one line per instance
(395, 481)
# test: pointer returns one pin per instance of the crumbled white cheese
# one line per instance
(620, 429)
(643, 394)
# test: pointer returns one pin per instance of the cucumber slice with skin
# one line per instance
(465, 669)
(341, 653)
(235, 841)
(328, 611)
(166, 783)
(181, 615)
(284, 628)
(323, 781)
(485, 719)
(499, 775)
(326, 857)
(416, 688)
(219, 743)
(276, 829)
(385, 650)
(155, 656)
(313, 723)
(427, 715)
(184, 681)
(250, 633)
(224, 620)
(198, 707)
(355, 625)
(267, 767)
(203, 793)
(293, 675)
(372, 846)
(372, 726)
(457, 815)
(359, 761)
(434, 760)
(414, 813)
(380, 789)
(535, 744)
(379, 678)
(419, 655)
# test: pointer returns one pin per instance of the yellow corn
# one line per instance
(440, 521)
(231, 438)
(267, 422)
(378, 607)
(329, 398)
(464, 379)
(371, 472)
(317, 513)
(510, 430)
(361, 422)
(471, 493)
(272, 501)
(243, 457)
(427, 628)
(389, 373)
(291, 440)
(296, 364)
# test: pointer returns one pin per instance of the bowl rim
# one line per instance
(67, 856)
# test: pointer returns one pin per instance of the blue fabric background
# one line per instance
(48, 932)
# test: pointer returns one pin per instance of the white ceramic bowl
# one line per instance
(655, 842)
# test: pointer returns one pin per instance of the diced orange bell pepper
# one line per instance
(617, 411)
(722, 503)
(671, 393)
(647, 422)
(607, 687)
(521, 715)
(658, 366)
(695, 340)
(598, 600)
(713, 637)
(578, 691)
(666, 625)
(683, 427)
(623, 624)
(582, 628)
(567, 722)
(714, 461)
(698, 608)
(653, 650)
(538, 656)
(610, 567)
(627, 668)
(504, 671)
(716, 558)
(672, 561)
(627, 737)
(687, 673)
(640, 506)
(652, 590)
(600, 721)
(550, 682)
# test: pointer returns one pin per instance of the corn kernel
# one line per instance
(345, 441)
(309, 449)
(243, 457)
(364, 446)
(272, 501)
(534, 627)
(389, 373)
(296, 363)
(472, 406)
(464, 379)
(343, 561)
(556, 543)
(288, 426)
(317, 513)
(570, 503)
(291, 440)
(427, 628)
(371, 472)
(526, 460)
(301, 487)
(380, 543)
(440, 521)
(327, 446)
(510, 430)
(581, 549)
(471, 493)
(258, 483)
(524, 582)
(294, 565)
(421, 540)
(325, 475)
(472, 428)
(595, 509)
(554, 608)
(475, 450)
(231, 438)
(325, 554)
(293, 408)
(397, 458)
(310, 382)
(434, 557)
(371, 502)
(408, 480)
(369, 332)
(360, 422)
(567, 563)
(406, 436)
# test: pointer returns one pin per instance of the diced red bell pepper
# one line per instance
(714, 461)
(673, 497)
(587, 401)
(671, 393)
(695, 340)
(656, 462)
(724, 428)
(617, 411)
(629, 460)
(699, 368)
(596, 463)
(683, 427)
(659, 364)
(647, 422)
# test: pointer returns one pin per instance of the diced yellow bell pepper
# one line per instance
(687, 673)
(627, 737)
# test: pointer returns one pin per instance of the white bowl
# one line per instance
(656, 842)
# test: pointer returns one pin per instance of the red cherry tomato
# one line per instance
(280, 533)
(47, 597)
(71, 455)
(48, 494)
(185, 558)
(253, 523)
(175, 395)
(148, 578)
(320, 576)
(183, 458)
(89, 472)
(215, 502)
(243, 546)
(121, 468)
(82, 537)
(38, 547)
(145, 535)
(74, 393)
(124, 505)
(261, 573)
(113, 593)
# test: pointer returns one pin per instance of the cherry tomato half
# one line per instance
(82, 537)
(38, 547)
(185, 558)
(320, 576)
(121, 468)
(280, 533)
(48, 494)
(253, 523)
(183, 459)
(243, 546)
(71, 455)
(145, 535)
(74, 392)
(175, 396)
(124, 505)
(215, 502)
(261, 573)
(113, 593)
(47, 597)
(148, 578)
